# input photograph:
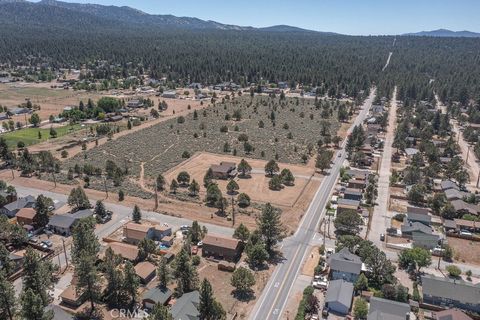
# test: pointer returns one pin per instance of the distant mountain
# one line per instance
(445, 33)
(54, 14)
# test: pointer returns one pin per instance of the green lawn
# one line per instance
(29, 136)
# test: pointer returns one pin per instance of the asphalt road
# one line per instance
(272, 302)
(379, 225)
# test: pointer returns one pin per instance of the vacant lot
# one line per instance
(282, 129)
(256, 186)
(465, 250)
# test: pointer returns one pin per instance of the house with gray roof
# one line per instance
(11, 209)
(339, 296)
(417, 210)
(465, 207)
(353, 194)
(422, 218)
(156, 295)
(345, 265)
(410, 152)
(409, 227)
(344, 205)
(425, 241)
(448, 184)
(63, 223)
(383, 309)
(454, 194)
(186, 307)
(451, 293)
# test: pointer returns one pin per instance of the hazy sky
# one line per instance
(344, 16)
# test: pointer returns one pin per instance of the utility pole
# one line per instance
(156, 196)
(65, 251)
(105, 184)
(233, 212)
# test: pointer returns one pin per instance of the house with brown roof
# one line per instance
(463, 207)
(70, 297)
(221, 247)
(145, 271)
(135, 232)
(357, 183)
(25, 216)
(126, 251)
(450, 314)
(224, 170)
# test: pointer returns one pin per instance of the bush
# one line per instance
(20, 144)
(399, 217)
(121, 195)
(243, 200)
(454, 271)
(181, 119)
(195, 260)
(185, 155)
(64, 154)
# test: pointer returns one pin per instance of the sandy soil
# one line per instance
(256, 186)
(311, 262)
(465, 251)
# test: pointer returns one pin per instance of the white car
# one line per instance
(329, 251)
(320, 284)
(465, 233)
(200, 243)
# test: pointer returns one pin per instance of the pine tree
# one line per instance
(163, 273)
(209, 308)
(184, 272)
(160, 312)
(33, 307)
(113, 292)
(131, 282)
(78, 199)
(136, 214)
(85, 242)
(270, 227)
(37, 275)
(174, 186)
(194, 188)
(7, 298)
(88, 279)
(242, 232)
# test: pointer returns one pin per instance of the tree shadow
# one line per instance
(244, 296)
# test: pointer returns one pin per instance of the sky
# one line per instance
(355, 17)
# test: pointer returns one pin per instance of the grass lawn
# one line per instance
(29, 136)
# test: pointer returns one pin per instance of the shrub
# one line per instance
(64, 154)
(454, 271)
(399, 217)
(185, 155)
(195, 260)
(181, 119)
(121, 195)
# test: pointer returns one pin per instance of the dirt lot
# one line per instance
(222, 288)
(465, 250)
(311, 262)
(256, 186)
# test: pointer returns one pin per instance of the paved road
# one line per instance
(123, 213)
(275, 295)
(379, 225)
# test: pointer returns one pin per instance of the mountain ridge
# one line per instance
(445, 33)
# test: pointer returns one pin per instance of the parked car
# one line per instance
(382, 237)
(48, 243)
(329, 251)
(33, 239)
(321, 283)
(465, 233)
(200, 243)
(185, 227)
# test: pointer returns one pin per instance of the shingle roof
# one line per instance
(383, 309)
(451, 314)
(453, 194)
(157, 294)
(26, 213)
(448, 184)
(126, 251)
(340, 291)
(447, 288)
(461, 205)
(220, 241)
(415, 226)
(345, 261)
(419, 217)
(348, 203)
(411, 151)
(186, 307)
(20, 203)
(417, 210)
(144, 269)
(353, 191)
(63, 221)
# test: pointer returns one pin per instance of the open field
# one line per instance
(160, 147)
(52, 101)
(29, 136)
(465, 250)
(256, 186)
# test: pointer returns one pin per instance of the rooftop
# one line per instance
(220, 241)
(457, 290)
(383, 309)
(345, 261)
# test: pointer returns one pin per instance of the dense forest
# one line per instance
(117, 47)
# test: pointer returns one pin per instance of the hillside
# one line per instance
(446, 33)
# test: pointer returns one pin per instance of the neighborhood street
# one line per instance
(275, 295)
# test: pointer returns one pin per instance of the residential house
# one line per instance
(377, 109)
(345, 265)
(339, 296)
(383, 309)
(186, 307)
(135, 232)
(134, 104)
(422, 218)
(451, 293)
(450, 314)
(463, 207)
(18, 111)
(63, 223)
(221, 247)
(169, 94)
(454, 194)
(425, 241)
(448, 184)
(408, 228)
(156, 295)
(353, 194)
(462, 224)
(357, 183)
(418, 210)
(70, 297)
(114, 118)
(344, 205)
(449, 225)
(410, 152)
(11, 209)
(26, 216)
(224, 170)
(358, 174)
(146, 271)
(125, 250)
